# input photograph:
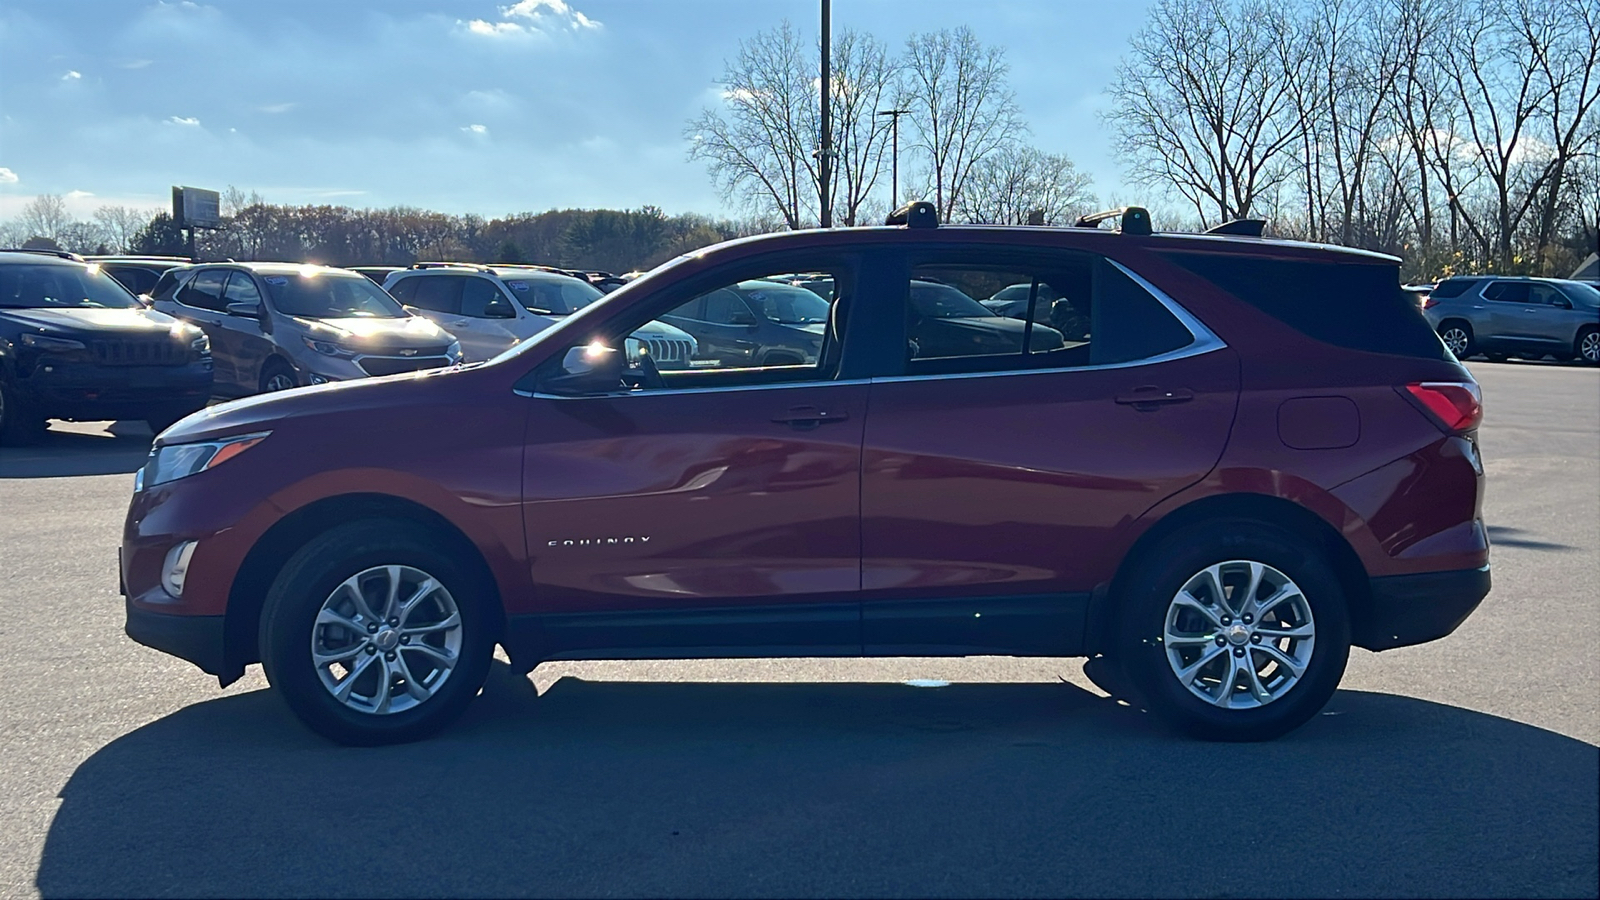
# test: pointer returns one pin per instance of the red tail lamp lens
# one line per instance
(1458, 406)
(1429, 303)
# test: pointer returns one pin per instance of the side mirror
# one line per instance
(147, 301)
(498, 309)
(245, 310)
(591, 369)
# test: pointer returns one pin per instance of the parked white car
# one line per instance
(491, 308)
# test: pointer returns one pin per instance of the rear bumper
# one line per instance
(1415, 609)
(197, 639)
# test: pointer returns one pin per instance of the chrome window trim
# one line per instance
(612, 395)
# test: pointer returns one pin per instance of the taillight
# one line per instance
(1429, 302)
(1456, 405)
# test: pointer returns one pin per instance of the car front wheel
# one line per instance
(373, 635)
(1588, 346)
(1234, 631)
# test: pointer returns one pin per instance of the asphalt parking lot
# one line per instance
(1468, 767)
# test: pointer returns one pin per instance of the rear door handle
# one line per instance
(805, 418)
(1150, 397)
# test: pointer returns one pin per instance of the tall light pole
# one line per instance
(825, 166)
(894, 157)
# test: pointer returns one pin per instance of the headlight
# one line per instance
(176, 461)
(46, 342)
(200, 345)
(453, 351)
(329, 348)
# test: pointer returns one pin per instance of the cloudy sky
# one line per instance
(456, 105)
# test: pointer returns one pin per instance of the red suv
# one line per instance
(1257, 454)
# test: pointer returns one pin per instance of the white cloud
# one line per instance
(79, 195)
(475, 129)
(7, 176)
(183, 120)
(539, 11)
(72, 76)
(538, 17)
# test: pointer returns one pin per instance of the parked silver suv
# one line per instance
(281, 325)
(1530, 317)
(492, 308)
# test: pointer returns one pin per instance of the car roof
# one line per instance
(284, 268)
(48, 257)
(1066, 237)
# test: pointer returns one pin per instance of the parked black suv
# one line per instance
(74, 344)
(138, 274)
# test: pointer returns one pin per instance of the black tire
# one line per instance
(273, 374)
(20, 423)
(1457, 336)
(1586, 346)
(295, 600)
(1156, 580)
(782, 359)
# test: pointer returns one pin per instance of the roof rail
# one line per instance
(448, 265)
(40, 251)
(1131, 219)
(916, 214)
(1240, 227)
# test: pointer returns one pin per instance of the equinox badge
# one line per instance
(590, 542)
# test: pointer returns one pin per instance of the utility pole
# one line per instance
(894, 154)
(826, 161)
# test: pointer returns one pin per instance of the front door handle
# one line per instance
(1151, 397)
(805, 418)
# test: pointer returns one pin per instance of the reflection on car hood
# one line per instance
(126, 321)
(411, 331)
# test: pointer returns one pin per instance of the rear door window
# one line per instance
(404, 290)
(1508, 292)
(204, 291)
(439, 293)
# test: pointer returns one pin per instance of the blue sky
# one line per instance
(456, 105)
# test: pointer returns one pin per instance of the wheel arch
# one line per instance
(1100, 630)
(267, 556)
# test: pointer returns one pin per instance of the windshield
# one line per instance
(941, 301)
(557, 294)
(48, 286)
(784, 303)
(328, 295)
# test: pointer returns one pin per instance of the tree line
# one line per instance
(253, 229)
(1463, 135)
(963, 140)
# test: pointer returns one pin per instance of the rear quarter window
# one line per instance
(1356, 305)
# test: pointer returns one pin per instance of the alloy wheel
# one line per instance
(386, 639)
(1589, 347)
(1239, 634)
(280, 381)
(1456, 340)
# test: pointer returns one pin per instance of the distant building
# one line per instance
(1589, 271)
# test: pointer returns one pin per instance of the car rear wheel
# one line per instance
(1234, 631)
(374, 635)
(1588, 346)
(1457, 337)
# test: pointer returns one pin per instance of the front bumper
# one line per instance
(85, 391)
(1414, 609)
(198, 639)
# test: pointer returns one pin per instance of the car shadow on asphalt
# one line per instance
(60, 453)
(1505, 536)
(779, 789)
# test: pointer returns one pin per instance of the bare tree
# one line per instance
(119, 224)
(865, 79)
(758, 146)
(1200, 103)
(1569, 69)
(964, 109)
(45, 216)
(1008, 186)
